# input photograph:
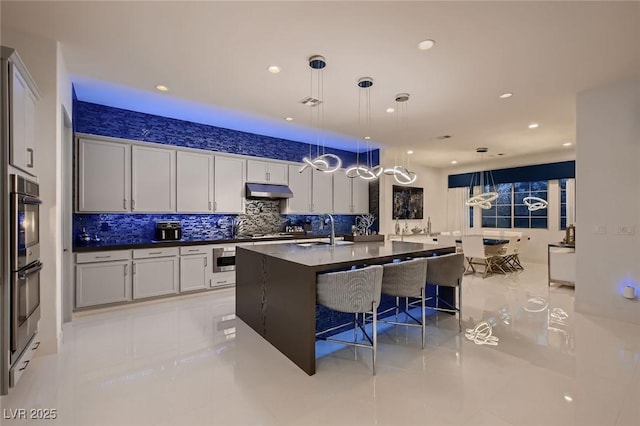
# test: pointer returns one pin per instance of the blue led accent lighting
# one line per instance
(628, 281)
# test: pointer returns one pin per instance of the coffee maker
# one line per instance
(168, 231)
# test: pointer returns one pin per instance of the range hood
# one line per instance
(266, 190)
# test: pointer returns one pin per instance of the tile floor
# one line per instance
(189, 362)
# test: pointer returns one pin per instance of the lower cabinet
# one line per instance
(222, 279)
(102, 282)
(155, 272)
(194, 272)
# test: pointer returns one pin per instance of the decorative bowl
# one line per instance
(416, 230)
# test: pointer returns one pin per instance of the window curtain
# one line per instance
(457, 210)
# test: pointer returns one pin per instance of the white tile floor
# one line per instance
(188, 362)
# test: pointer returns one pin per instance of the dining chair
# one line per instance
(448, 240)
(505, 259)
(447, 270)
(474, 251)
(355, 291)
(522, 245)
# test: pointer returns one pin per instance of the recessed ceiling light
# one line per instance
(274, 69)
(390, 110)
(533, 125)
(506, 95)
(454, 162)
(410, 152)
(567, 144)
(568, 398)
(289, 118)
(162, 88)
(426, 44)
(367, 137)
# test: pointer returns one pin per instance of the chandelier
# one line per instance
(365, 171)
(401, 173)
(327, 163)
(484, 199)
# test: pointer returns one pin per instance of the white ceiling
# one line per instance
(216, 53)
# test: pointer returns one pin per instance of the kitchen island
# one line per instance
(276, 287)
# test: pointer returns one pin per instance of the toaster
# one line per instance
(168, 231)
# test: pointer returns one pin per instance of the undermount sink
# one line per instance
(324, 243)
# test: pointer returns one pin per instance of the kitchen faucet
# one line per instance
(332, 237)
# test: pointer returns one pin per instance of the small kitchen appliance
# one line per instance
(168, 231)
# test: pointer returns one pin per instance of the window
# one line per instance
(563, 203)
(509, 210)
(499, 215)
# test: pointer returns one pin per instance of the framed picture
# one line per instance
(408, 202)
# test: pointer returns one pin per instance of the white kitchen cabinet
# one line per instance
(342, 201)
(22, 105)
(228, 185)
(322, 192)
(267, 172)
(157, 276)
(194, 176)
(153, 181)
(300, 185)
(104, 176)
(359, 196)
(194, 272)
(223, 279)
(104, 279)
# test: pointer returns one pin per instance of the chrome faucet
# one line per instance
(332, 237)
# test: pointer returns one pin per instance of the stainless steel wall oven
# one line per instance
(25, 264)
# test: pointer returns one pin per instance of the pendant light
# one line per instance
(401, 173)
(364, 171)
(484, 199)
(535, 203)
(327, 163)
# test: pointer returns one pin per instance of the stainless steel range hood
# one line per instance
(266, 190)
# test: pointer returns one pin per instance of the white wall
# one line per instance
(608, 175)
(42, 58)
(434, 183)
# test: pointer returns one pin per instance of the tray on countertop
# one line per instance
(364, 238)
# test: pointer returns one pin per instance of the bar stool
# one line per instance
(447, 270)
(356, 291)
(406, 279)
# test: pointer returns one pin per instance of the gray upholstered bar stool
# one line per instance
(406, 279)
(356, 291)
(447, 270)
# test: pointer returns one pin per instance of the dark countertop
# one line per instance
(182, 243)
(322, 254)
(563, 245)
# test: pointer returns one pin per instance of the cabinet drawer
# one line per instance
(21, 364)
(103, 256)
(220, 279)
(155, 252)
(195, 250)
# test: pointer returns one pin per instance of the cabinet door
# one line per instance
(257, 171)
(322, 192)
(194, 272)
(194, 175)
(153, 180)
(30, 130)
(278, 173)
(18, 141)
(104, 176)
(228, 185)
(300, 185)
(342, 193)
(103, 282)
(360, 196)
(155, 277)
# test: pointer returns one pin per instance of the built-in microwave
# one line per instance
(224, 259)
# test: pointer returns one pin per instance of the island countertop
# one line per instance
(276, 287)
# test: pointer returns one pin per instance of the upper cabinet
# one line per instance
(267, 172)
(104, 176)
(360, 196)
(312, 191)
(153, 180)
(22, 96)
(228, 185)
(194, 182)
(350, 195)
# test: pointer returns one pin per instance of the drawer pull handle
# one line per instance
(221, 282)
(36, 346)
(102, 257)
(24, 367)
(155, 252)
(194, 250)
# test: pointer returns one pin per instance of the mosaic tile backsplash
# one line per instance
(107, 229)
(120, 123)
